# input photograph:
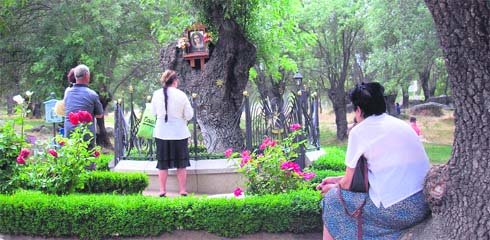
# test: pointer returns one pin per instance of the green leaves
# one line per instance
(108, 216)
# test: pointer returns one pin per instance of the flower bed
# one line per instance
(99, 216)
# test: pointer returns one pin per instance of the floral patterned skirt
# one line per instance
(378, 223)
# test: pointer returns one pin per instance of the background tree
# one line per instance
(116, 39)
(404, 45)
(336, 25)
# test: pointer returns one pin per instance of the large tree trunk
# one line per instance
(463, 209)
(424, 76)
(217, 104)
(102, 138)
(406, 96)
(390, 104)
(337, 96)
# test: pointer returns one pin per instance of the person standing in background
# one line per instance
(413, 124)
(173, 109)
(81, 98)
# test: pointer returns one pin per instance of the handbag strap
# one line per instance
(357, 213)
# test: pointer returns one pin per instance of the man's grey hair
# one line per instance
(80, 71)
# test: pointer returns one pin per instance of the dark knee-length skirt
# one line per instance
(172, 154)
(378, 223)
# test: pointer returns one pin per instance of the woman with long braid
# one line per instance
(173, 110)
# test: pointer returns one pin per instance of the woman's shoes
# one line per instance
(163, 195)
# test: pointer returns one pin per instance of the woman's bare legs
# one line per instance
(326, 234)
(162, 177)
(182, 178)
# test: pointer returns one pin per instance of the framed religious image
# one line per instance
(196, 39)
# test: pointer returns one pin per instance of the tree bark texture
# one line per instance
(219, 85)
(390, 104)
(102, 138)
(424, 76)
(464, 32)
(406, 96)
(337, 96)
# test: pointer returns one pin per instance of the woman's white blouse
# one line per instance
(179, 112)
(397, 162)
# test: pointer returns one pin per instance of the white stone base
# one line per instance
(218, 176)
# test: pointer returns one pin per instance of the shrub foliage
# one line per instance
(101, 216)
(113, 182)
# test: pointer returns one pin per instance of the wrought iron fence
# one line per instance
(255, 114)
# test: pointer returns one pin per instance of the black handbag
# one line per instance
(360, 181)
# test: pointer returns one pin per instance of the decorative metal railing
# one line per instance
(255, 115)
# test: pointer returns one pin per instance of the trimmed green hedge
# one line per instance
(321, 174)
(333, 159)
(113, 182)
(99, 216)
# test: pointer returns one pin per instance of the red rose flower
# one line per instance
(85, 117)
(96, 154)
(24, 153)
(53, 153)
(74, 118)
(21, 160)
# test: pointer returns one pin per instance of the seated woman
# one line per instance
(397, 164)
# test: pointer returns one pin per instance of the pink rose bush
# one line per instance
(271, 169)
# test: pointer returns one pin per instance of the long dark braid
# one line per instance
(168, 82)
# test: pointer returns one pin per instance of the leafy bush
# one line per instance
(102, 216)
(273, 170)
(102, 162)
(333, 159)
(321, 174)
(58, 171)
(10, 146)
(113, 182)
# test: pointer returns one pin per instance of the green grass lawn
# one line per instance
(438, 153)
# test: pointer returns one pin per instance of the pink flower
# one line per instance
(245, 157)
(24, 153)
(308, 176)
(238, 192)
(268, 142)
(262, 146)
(295, 127)
(228, 152)
(96, 154)
(53, 153)
(292, 166)
(21, 160)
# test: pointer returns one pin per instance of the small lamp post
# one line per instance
(299, 79)
(301, 96)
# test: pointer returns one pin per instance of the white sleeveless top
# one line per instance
(397, 162)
